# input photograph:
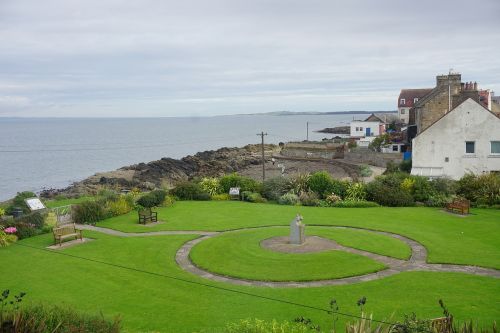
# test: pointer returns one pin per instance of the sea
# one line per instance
(42, 153)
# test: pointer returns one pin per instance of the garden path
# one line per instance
(417, 261)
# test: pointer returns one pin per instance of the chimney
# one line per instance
(475, 85)
(462, 86)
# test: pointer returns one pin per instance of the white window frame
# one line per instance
(403, 111)
(402, 101)
(415, 100)
(491, 147)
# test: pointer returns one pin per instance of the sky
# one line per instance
(109, 58)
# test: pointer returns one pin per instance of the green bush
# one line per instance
(355, 192)
(119, 207)
(41, 318)
(391, 167)
(405, 166)
(299, 183)
(89, 212)
(221, 197)
(438, 200)
(365, 171)
(387, 191)
(235, 180)
(422, 189)
(35, 219)
(445, 186)
(168, 201)
(108, 195)
(274, 188)
(211, 186)
(289, 199)
(261, 326)
(18, 202)
(252, 197)
(189, 191)
(309, 198)
(480, 189)
(322, 183)
(354, 204)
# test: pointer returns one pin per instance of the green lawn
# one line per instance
(66, 202)
(187, 303)
(239, 254)
(471, 240)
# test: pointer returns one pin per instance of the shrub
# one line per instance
(391, 167)
(437, 200)
(7, 238)
(387, 191)
(89, 212)
(119, 207)
(235, 180)
(333, 198)
(405, 166)
(35, 219)
(365, 171)
(321, 183)
(51, 318)
(355, 192)
(289, 199)
(148, 200)
(274, 188)
(309, 198)
(252, 197)
(408, 184)
(18, 202)
(189, 191)
(422, 189)
(444, 186)
(221, 197)
(210, 185)
(261, 326)
(168, 201)
(108, 195)
(355, 204)
(481, 190)
(299, 183)
(339, 187)
(2, 212)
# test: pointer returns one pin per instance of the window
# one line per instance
(415, 100)
(402, 111)
(403, 101)
(446, 159)
(395, 148)
(361, 128)
(470, 147)
(495, 147)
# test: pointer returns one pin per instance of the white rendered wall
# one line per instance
(373, 125)
(446, 139)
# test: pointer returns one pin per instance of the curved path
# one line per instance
(417, 261)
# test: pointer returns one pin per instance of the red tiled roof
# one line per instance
(409, 96)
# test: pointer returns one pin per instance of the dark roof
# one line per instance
(373, 117)
(409, 96)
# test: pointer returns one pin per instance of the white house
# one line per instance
(466, 139)
(360, 128)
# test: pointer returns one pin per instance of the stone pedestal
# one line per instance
(297, 231)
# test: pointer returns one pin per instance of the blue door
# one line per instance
(368, 131)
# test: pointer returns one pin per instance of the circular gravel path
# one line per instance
(417, 261)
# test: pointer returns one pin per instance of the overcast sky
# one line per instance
(200, 58)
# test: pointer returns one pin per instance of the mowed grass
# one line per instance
(172, 300)
(239, 254)
(66, 202)
(470, 240)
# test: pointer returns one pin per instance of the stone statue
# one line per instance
(297, 231)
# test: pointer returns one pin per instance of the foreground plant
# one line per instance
(7, 236)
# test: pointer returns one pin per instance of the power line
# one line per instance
(327, 311)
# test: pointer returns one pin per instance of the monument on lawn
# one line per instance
(297, 231)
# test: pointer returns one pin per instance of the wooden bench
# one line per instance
(147, 215)
(66, 231)
(459, 205)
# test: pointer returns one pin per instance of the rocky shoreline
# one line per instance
(168, 171)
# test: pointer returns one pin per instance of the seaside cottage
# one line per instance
(466, 139)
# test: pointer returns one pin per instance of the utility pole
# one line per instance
(262, 134)
(307, 136)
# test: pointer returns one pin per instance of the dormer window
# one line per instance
(402, 101)
(415, 100)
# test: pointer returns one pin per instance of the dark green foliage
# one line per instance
(391, 167)
(41, 318)
(322, 183)
(189, 191)
(35, 219)
(387, 191)
(405, 166)
(445, 186)
(18, 202)
(252, 197)
(422, 189)
(89, 212)
(108, 195)
(438, 200)
(274, 188)
(480, 189)
(309, 199)
(339, 187)
(235, 180)
(154, 198)
(354, 204)
(289, 199)
(24, 230)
